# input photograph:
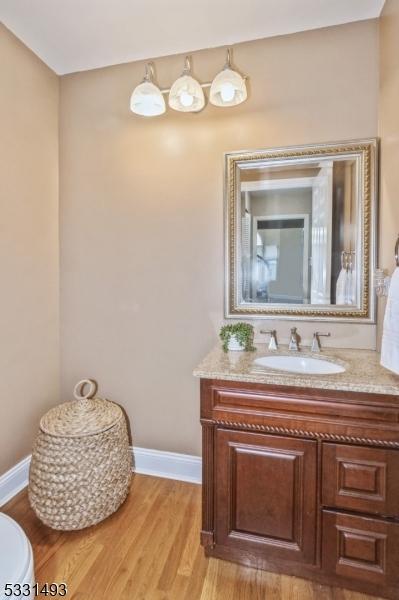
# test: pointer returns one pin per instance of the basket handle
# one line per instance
(78, 390)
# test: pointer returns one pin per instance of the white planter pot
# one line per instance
(234, 344)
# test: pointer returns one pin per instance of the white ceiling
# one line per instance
(75, 35)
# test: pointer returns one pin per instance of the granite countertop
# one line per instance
(363, 370)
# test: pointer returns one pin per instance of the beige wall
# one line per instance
(142, 213)
(141, 207)
(29, 349)
(389, 133)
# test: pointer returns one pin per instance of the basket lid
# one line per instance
(84, 416)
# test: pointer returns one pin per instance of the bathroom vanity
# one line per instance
(301, 472)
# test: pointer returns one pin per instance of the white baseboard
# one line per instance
(14, 480)
(171, 465)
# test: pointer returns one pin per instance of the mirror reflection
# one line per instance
(300, 235)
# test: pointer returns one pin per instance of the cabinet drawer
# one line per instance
(360, 548)
(361, 479)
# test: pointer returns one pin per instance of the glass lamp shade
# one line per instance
(147, 100)
(186, 95)
(228, 89)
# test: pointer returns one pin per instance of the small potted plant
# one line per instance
(238, 336)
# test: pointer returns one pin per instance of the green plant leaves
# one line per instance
(243, 332)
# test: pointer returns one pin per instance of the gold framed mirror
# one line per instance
(300, 232)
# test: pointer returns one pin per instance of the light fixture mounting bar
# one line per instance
(203, 85)
(207, 84)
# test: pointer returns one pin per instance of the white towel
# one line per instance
(354, 287)
(342, 287)
(390, 336)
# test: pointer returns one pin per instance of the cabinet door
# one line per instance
(266, 495)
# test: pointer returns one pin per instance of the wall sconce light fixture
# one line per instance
(147, 99)
(228, 88)
(186, 94)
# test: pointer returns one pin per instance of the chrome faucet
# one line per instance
(316, 346)
(294, 340)
(273, 345)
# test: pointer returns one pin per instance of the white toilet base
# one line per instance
(16, 561)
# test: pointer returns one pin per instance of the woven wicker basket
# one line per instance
(81, 464)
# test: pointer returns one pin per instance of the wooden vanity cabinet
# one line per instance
(303, 482)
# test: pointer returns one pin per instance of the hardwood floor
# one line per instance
(149, 550)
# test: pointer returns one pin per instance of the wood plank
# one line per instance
(149, 550)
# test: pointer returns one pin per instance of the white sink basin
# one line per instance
(300, 364)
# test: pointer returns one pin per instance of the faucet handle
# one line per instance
(273, 345)
(316, 346)
(294, 340)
